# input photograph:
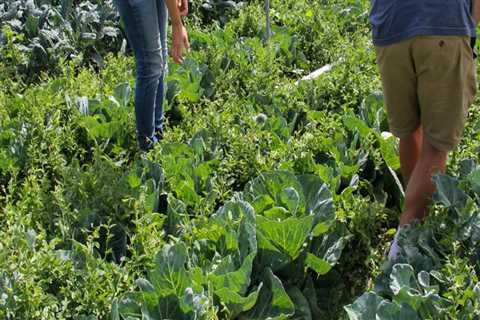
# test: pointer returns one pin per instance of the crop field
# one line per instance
(268, 198)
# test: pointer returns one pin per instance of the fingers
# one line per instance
(177, 55)
(183, 11)
(183, 7)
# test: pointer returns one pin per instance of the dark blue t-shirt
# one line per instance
(396, 20)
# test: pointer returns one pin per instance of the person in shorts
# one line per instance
(426, 62)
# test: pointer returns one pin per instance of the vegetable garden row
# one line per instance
(267, 199)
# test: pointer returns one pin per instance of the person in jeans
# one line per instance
(146, 29)
(428, 73)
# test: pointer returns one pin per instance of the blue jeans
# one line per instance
(146, 28)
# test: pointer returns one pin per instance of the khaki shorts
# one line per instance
(428, 81)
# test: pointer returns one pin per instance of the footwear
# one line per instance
(394, 248)
(146, 144)
(158, 135)
(394, 252)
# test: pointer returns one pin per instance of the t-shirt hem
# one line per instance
(425, 31)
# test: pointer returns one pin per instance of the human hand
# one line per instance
(183, 7)
(179, 42)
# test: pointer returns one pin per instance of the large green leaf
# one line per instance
(236, 303)
(355, 124)
(418, 296)
(122, 94)
(236, 210)
(279, 188)
(402, 276)
(273, 302)
(238, 217)
(389, 152)
(188, 77)
(329, 246)
(170, 307)
(448, 192)
(127, 306)
(236, 281)
(310, 292)
(474, 179)
(170, 276)
(320, 266)
(392, 311)
(269, 255)
(277, 213)
(165, 294)
(364, 308)
(177, 150)
(185, 190)
(285, 237)
(176, 211)
(144, 285)
(318, 198)
(302, 307)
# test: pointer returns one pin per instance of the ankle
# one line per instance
(407, 218)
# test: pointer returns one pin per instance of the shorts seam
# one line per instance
(446, 147)
(405, 132)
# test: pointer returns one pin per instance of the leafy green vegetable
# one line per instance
(273, 301)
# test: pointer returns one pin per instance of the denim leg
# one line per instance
(162, 26)
(142, 28)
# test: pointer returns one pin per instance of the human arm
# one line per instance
(179, 33)
(476, 11)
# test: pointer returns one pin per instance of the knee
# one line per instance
(432, 150)
(413, 138)
(416, 134)
(151, 65)
(433, 158)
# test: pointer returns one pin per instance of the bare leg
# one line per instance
(420, 187)
(410, 148)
